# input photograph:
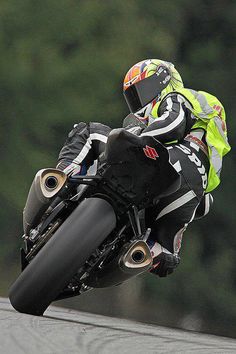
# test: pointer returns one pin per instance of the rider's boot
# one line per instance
(164, 262)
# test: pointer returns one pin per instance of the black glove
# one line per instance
(164, 264)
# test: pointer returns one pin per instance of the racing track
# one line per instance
(63, 331)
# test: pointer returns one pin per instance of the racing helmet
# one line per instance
(147, 82)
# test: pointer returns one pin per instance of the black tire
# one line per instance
(58, 261)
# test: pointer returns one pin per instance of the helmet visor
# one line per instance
(144, 91)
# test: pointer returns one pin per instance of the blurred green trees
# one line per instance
(64, 61)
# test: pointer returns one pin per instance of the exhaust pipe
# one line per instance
(133, 259)
(46, 184)
(50, 181)
(137, 256)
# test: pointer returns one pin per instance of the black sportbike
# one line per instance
(89, 231)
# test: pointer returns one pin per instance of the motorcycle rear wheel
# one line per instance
(58, 261)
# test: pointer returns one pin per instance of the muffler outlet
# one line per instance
(51, 182)
(138, 256)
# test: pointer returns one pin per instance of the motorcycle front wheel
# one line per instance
(59, 260)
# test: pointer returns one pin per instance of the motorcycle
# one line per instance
(86, 232)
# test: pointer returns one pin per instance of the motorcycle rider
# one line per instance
(191, 124)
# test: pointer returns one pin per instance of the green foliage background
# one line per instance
(63, 61)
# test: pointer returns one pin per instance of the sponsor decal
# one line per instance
(159, 70)
(150, 152)
(167, 79)
(194, 159)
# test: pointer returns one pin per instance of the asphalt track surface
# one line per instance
(64, 331)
